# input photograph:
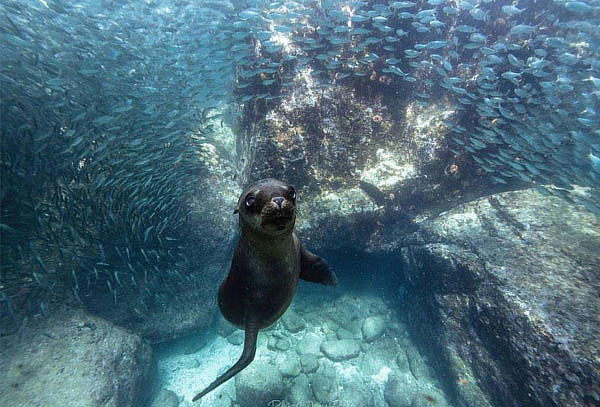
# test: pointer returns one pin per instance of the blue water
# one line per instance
(115, 116)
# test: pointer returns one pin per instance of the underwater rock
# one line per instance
(330, 327)
(224, 327)
(400, 390)
(402, 361)
(307, 138)
(377, 360)
(236, 338)
(165, 398)
(418, 366)
(355, 394)
(372, 328)
(196, 342)
(277, 341)
(288, 365)
(74, 359)
(282, 344)
(358, 381)
(310, 363)
(259, 383)
(293, 322)
(343, 333)
(300, 393)
(340, 349)
(429, 395)
(309, 344)
(374, 362)
(324, 385)
(345, 312)
(499, 290)
(172, 321)
(271, 341)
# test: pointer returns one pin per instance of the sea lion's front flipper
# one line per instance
(315, 269)
(251, 333)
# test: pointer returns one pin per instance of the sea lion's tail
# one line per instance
(244, 360)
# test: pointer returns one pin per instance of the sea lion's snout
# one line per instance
(278, 200)
(278, 206)
(269, 207)
(277, 214)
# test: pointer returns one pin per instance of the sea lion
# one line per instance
(267, 263)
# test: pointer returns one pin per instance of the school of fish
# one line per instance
(523, 76)
(104, 104)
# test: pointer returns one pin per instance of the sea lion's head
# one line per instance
(268, 207)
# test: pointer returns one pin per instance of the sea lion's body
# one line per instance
(267, 263)
(261, 282)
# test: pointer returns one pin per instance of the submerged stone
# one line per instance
(341, 349)
(324, 386)
(165, 398)
(310, 363)
(74, 359)
(372, 328)
(236, 338)
(289, 366)
(400, 390)
(309, 344)
(293, 322)
(282, 344)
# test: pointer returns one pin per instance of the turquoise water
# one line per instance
(446, 154)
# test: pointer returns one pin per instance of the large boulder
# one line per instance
(309, 138)
(183, 299)
(74, 359)
(509, 285)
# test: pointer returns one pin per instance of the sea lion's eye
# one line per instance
(292, 193)
(250, 200)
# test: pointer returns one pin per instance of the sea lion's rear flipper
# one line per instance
(251, 333)
(315, 269)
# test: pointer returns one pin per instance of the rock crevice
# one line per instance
(514, 308)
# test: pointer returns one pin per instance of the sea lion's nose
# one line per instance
(278, 200)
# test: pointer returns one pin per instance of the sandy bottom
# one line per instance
(187, 375)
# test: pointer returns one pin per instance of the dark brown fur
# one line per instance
(267, 263)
